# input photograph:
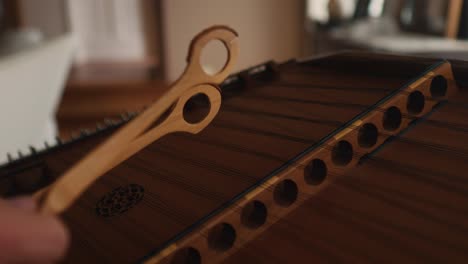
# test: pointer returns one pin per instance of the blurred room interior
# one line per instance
(86, 60)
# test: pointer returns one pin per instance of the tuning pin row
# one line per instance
(100, 126)
(125, 117)
(32, 151)
(231, 79)
(257, 69)
(265, 71)
(75, 136)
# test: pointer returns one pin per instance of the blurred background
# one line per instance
(67, 64)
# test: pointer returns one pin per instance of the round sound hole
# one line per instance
(285, 193)
(197, 108)
(254, 214)
(438, 86)
(315, 172)
(392, 119)
(120, 200)
(415, 103)
(222, 237)
(367, 135)
(342, 153)
(187, 256)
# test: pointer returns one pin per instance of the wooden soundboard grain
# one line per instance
(260, 126)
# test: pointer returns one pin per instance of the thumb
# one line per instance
(29, 237)
(24, 203)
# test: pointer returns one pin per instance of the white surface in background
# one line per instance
(108, 29)
(417, 44)
(385, 35)
(317, 10)
(376, 8)
(31, 83)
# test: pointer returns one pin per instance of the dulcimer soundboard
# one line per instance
(348, 158)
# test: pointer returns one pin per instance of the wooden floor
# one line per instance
(91, 95)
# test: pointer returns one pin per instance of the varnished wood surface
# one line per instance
(407, 204)
(201, 162)
(258, 129)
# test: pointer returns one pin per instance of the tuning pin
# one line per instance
(231, 79)
(33, 150)
(74, 135)
(20, 155)
(108, 122)
(265, 71)
(125, 116)
(58, 140)
(256, 69)
(9, 157)
(118, 122)
(46, 144)
(273, 66)
(85, 132)
(99, 126)
(134, 113)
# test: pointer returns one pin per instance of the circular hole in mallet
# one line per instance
(221, 237)
(367, 135)
(415, 103)
(285, 192)
(214, 57)
(392, 118)
(254, 214)
(188, 255)
(438, 86)
(197, 108)
(315, 172)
